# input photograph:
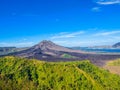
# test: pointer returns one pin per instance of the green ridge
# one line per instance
(23, 74)
(67, 56)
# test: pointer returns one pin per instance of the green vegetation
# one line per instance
(114, 63)
(67, 56)
(23, 74)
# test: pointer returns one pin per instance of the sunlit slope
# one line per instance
(22, 74)
(114, 63)
(113, 66)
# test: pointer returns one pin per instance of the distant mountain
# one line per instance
(101, 47)
(49, 51)
(7, 50)
(117, 45)
(45, 49)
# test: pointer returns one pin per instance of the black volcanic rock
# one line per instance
(48, 45)
(117, 45)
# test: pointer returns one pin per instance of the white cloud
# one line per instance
(25, 39)
(107, 33)
(108, 2)
(17, 44)
(60, 41)
(83, 43)
(82, 38)
(96, 9)
(67, 35)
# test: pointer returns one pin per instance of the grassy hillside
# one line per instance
(67, 56)
(22, 74)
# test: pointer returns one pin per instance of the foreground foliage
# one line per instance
(22, 74)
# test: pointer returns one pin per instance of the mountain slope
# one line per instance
(49, 51)
(23, 74)
(45, 49)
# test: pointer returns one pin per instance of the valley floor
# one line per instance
(113, 66)
(113, 69)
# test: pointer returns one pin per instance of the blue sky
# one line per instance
(65, 22)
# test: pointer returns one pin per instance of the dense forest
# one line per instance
(23, 74)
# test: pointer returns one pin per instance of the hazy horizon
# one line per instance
(56, 44)
(24, 23)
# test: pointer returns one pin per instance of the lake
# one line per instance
(111, 50)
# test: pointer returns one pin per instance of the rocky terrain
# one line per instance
(49, 51)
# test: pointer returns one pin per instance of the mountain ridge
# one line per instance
(117, 45)
(24, 74)
(47, 48)
(49, 51)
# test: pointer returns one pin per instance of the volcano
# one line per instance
(45, 49)
(49, 51)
